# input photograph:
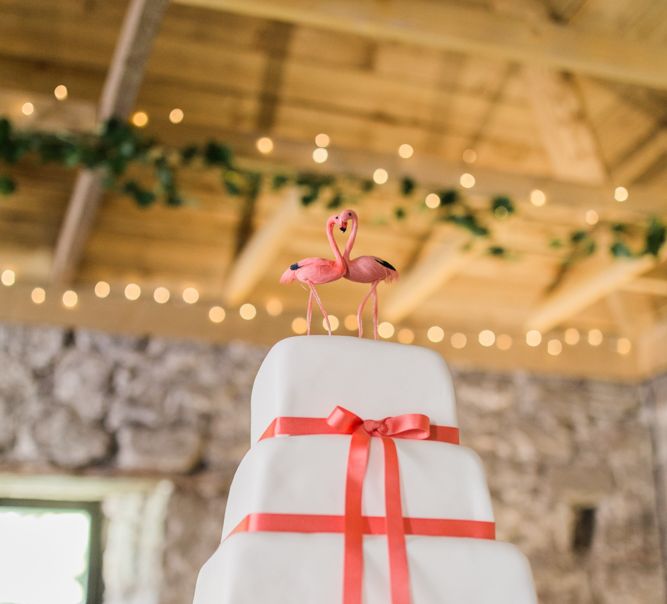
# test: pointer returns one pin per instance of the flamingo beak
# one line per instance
(343, 229)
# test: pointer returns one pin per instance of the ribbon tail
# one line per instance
(399, 572)
(353, 573)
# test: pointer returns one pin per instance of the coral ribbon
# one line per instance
(343, 421)
(372, 525)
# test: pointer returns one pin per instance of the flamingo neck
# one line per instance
(350, 242)
(340, 262)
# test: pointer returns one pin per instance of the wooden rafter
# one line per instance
(443, 257)
(118, 97)
(641, 159)
(259, 252)
(469, 30)
(565, 133)
(587, 283)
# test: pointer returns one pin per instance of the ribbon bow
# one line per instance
(343, 421)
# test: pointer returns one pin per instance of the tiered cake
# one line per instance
(289, 529)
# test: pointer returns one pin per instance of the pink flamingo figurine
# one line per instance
(315, 271)
(365, 269)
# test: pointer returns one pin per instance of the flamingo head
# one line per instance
(344, 217)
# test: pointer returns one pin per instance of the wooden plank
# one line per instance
(642, 158)
(564, 131)
(647, 285)
(444, 258)
(469, 30)
(592, 280)
(260, 251)
(118, 97)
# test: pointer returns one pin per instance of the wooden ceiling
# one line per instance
(569, 96)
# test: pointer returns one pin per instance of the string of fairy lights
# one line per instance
(554, 343)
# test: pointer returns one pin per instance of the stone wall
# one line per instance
(570, 463)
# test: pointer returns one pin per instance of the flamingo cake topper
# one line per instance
(363, 269)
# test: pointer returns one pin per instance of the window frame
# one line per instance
(95, 586)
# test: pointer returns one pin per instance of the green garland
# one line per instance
(118, 146)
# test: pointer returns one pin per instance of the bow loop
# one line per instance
(410, 425)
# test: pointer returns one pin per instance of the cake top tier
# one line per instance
(307, 376)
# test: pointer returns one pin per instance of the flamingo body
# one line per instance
(365, 269)
(368, 269)
(316, 271)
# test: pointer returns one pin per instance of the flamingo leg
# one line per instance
(319, 303)
(374, 294)
(309, 310)
(360, 311)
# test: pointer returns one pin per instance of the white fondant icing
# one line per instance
(309, 375)
(285, 568)
(306, 475)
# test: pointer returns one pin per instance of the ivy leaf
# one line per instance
(233, 182)
(502, 206)
(7, 185)
(279, 181)
(310, 196)
(142, 196)
(469, 222)
(399, 213)
(578, 236)
(407, 186)
(448, 197)
(5, 131)
(497, 250)
(656, 233)
(189, 153)
(556, 243)
(216, 154)
(336, 201)
(619, 249)
(367, 185)
(619, 228)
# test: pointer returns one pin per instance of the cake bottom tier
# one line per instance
(263, 568)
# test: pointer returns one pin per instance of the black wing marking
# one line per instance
(385, 264)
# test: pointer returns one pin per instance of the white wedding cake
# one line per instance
(327, 508)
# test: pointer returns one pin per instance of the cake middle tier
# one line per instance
(306, 475)
(308, 376)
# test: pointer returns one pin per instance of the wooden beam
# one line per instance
(632, 314)
(260, 251)
(118, 97)
(647, 285)
(469, 30)
(566, 135)
(587, 283)
(641, 159)
(443, 257)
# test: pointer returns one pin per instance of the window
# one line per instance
(50, 551)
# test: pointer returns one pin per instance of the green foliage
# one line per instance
(7, 185)
(408, 186)
(497, 250)
(619, 249)
(502, 206)
(655, 236)
(336, 200)
(142, 196)
(469, 222)
(117, 147)
(279, 181)
(449, 197)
